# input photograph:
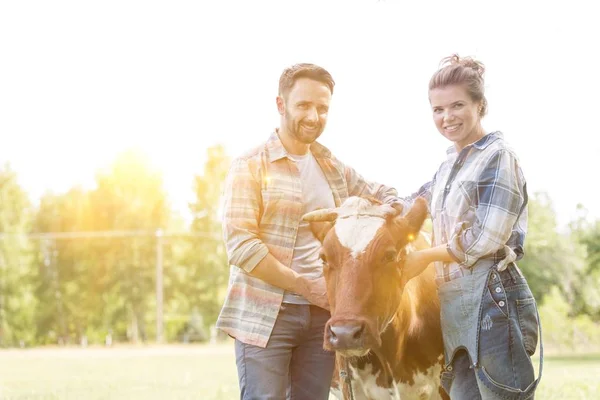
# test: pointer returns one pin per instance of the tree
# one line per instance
(200, 278)
(17, 302)
(590, 288)
(551, 259)
(64, 268)
(92, 287)
(129, 196)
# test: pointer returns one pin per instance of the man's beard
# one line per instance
(302, 135)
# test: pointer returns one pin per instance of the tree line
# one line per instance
(73, 289)
(96, 288)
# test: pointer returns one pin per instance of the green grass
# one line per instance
(570, 377)
(197, 372)
(182, 372)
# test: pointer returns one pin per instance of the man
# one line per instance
(276, 305)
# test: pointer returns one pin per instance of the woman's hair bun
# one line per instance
(466, 62)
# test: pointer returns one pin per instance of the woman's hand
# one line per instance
(417, 261)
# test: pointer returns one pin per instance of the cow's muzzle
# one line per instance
(347, 336)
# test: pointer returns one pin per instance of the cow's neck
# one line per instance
(413, 325)
(365, 377)
(402, 349)
(379, 363)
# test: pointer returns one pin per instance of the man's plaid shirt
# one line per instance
(478, 206)
(262, 207)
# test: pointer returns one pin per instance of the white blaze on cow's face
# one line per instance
(364, 277)
(357, 223)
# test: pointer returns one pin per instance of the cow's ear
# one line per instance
(417, 215)
(320, 229)
(406, 227)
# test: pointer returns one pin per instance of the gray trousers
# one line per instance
(293, 365)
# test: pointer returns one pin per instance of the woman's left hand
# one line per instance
(415, 263)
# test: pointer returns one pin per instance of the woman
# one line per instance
(478, 202)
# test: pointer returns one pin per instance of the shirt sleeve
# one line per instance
(424, 192)
(501, 196)
(241, 214)
(358, 186)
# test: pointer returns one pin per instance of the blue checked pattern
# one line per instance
(478, 205)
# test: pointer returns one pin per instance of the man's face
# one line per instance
(304, 110)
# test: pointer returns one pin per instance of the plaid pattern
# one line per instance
(262, 207)
(477, 202)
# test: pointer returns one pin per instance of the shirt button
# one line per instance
(447, 187)
(498, 290)
(493, 276)
(501, 303)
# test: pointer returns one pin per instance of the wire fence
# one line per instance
(133, 261)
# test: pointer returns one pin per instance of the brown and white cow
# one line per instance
(385, 323)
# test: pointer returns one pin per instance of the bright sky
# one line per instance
(81, 81)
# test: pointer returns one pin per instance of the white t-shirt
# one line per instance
(316, 194)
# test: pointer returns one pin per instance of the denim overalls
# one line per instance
(493, 316)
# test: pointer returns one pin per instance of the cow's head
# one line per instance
(363, 253)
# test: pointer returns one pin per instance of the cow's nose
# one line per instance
(347, 335)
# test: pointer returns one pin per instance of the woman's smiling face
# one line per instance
(456, 115)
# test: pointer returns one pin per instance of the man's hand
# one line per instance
(315, 291)
(398, 207)
(275, 273)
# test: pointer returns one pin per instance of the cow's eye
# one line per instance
(389, 256)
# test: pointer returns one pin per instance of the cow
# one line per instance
(385, 322)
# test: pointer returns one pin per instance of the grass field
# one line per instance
(196, 372)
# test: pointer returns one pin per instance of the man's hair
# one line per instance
(311, 71)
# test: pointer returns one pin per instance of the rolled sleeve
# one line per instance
(423, 192)
(248, 255)
(500, 193)
(358, 186)
(241, 214)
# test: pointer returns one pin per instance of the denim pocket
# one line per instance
(504, 391)
(528, 323)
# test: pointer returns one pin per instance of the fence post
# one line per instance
(159, 286)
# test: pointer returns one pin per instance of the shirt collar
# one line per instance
(276, 151)
(481, 144)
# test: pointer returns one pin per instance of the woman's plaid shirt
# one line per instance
(478, 205)
(262, 207)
